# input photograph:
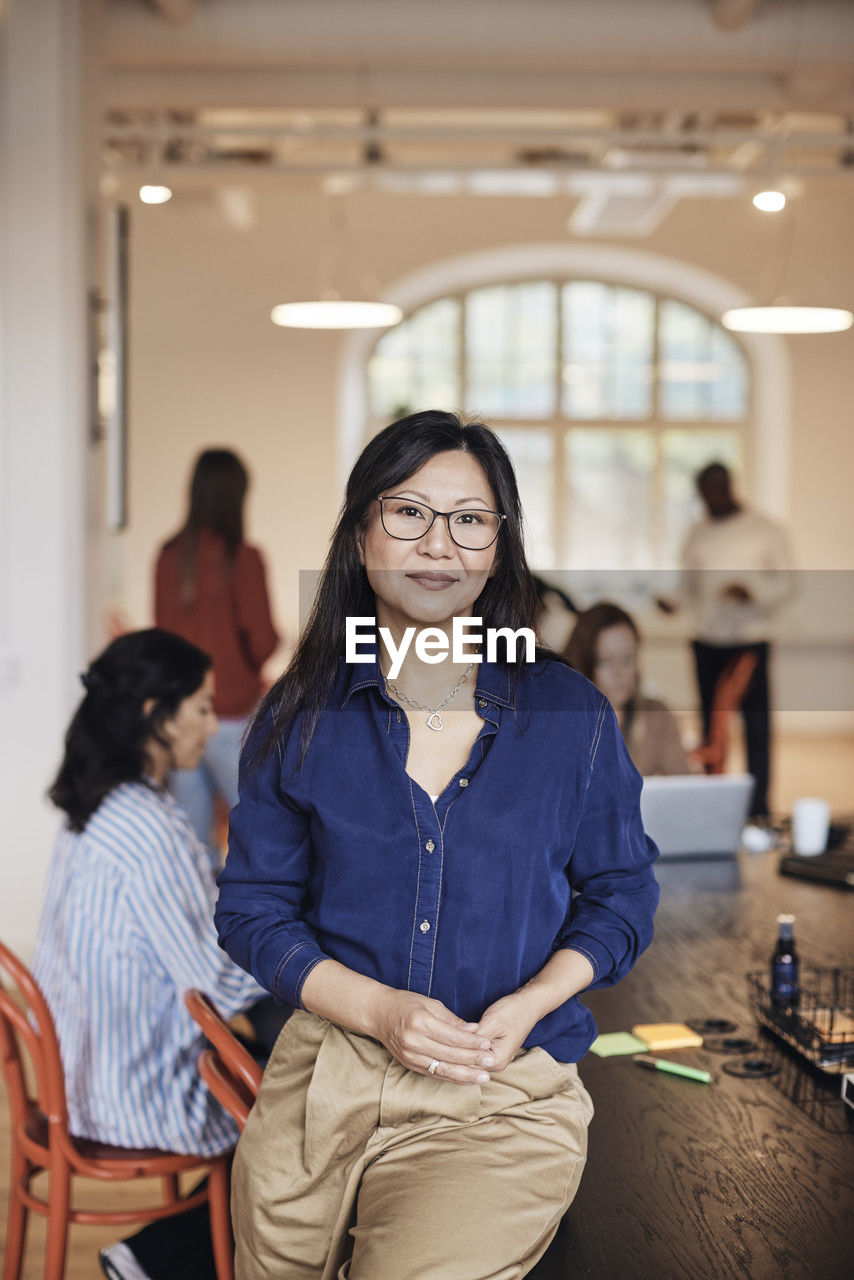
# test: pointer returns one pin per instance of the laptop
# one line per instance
(696, 816)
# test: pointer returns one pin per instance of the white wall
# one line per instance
(43, 454)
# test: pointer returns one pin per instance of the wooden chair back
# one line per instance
(229, 1070)
(27, 1034)
(227, 1088)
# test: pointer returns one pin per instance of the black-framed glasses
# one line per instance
(473, 529)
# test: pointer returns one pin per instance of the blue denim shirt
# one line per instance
(535, 844)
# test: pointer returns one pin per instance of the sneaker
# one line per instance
(758, 837)
(119, 1262)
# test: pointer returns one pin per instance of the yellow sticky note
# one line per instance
(667, 1035)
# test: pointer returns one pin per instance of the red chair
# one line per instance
(41, 1142)
(729, 694)
(225, 1087)
(233, 1077)
(230, 1072)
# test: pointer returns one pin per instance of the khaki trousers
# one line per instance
(352, 1167)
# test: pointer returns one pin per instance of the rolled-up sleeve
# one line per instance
(262, 887)
(610, 870)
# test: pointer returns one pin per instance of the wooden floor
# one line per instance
(803, 765)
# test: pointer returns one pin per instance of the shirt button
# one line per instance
(429, 846)
(481, 702)
(464, 782)
(425, 926)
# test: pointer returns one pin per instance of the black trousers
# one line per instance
(710, 661)
(176, 1248)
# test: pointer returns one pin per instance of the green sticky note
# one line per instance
(616, 1042)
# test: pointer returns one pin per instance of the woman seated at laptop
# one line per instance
(127, 928)
(604, 647)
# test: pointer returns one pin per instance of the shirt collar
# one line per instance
(494, 682)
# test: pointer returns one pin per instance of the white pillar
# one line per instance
(43, 430)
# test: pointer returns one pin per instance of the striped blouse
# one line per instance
(127, 928)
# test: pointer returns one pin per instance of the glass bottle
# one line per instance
(785, 985)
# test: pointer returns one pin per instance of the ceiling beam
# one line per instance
(307, 132)
(274, 170)
(190, 89)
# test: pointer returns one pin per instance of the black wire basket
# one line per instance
(813, 1091)
(820, 1026)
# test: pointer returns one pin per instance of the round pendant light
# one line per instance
(336, 313)
(787, 319)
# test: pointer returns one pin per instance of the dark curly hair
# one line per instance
(105, 744)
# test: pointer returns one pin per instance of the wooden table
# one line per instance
(727, 1180)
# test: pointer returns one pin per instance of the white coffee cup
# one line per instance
(810, 825)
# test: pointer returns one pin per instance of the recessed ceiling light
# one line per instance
(153, 193)
(769, 201)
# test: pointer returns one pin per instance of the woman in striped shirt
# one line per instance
(127, 928)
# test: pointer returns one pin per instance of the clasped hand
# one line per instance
(418, 1030)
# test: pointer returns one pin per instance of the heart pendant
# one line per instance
(431, 725)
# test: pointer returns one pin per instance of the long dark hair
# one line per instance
(509, 598)
(217, 493)
(581, 646)
(106, 740)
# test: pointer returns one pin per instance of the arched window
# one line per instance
(608, 397)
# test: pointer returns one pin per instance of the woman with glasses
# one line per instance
(429, 868)
(604, 647)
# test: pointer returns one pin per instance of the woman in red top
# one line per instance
(211, 588)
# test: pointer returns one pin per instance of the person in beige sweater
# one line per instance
(604, 647)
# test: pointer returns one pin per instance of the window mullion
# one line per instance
(560, 487)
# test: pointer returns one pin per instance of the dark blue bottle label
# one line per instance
(784, 981)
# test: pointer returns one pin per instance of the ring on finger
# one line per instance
(431, 1070)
